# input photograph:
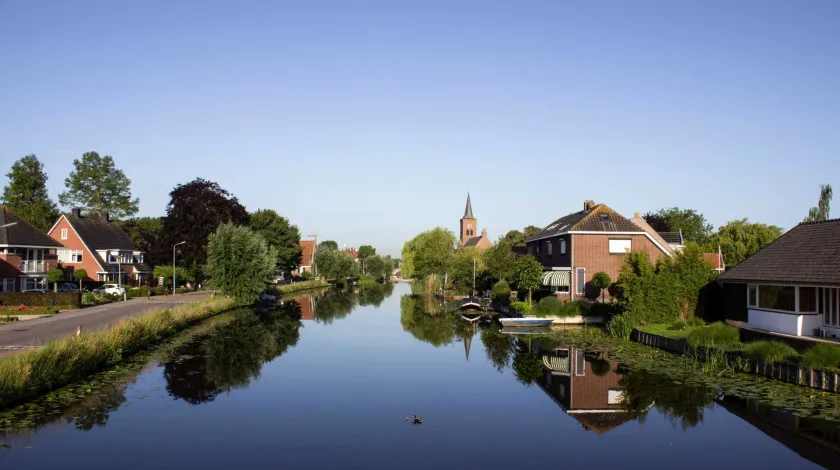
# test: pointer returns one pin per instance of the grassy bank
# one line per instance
(31, 374)
(299, 286)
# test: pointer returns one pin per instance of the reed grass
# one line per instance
(770, 351)
(822, 356)
(28, 375)
(299, 286)
(716, 334)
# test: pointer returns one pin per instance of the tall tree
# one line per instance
(739, 239)
(328, 244)
(195, 210)
(366, 251)
(97, 186)
(527, 274)
(429, 253)
(280, 235)
(239, 262)
(26, 193)
(822, 210)
(500, 258)
(146, 234)
(693, 224)
(530, 231)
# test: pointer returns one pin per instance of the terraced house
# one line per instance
(26, 254)
(100, 247)
(576, 246)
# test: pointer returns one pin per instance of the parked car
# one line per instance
(67, 287)
(109, 289)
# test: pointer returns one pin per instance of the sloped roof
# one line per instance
(598, 219)
(472, 241)
(22, 233)
(807, 254)
(308, 255)
(715, 259)
(672, 238)
(352, 252)
(99, 234)
(601, 423)
(642, 223)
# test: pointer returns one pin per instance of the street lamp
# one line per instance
(173, 265)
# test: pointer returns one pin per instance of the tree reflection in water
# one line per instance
(232, 355)
(375, 294)
(679, 402)
(498, 347)
(334, 305)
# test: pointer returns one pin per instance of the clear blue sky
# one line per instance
(368, 121)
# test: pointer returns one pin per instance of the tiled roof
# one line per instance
(472, 241)
(601, 423)
(99, 234)
(807, 254)
(673, 238)
(22, 233)
(598, 219)
(715, 259)
(308, 256)
(352, 252)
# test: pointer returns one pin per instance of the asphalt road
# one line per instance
(22, 335)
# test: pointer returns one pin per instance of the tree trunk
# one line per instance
(529, 298)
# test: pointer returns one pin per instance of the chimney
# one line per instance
(588, 204)
(76, 212)
(636, 215)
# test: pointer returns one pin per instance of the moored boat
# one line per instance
(525, 322)
(470, 303)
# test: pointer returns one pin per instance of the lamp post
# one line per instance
(173, 265)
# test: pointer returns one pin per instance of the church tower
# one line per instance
(469, 224)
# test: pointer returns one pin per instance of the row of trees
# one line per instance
(339, 264)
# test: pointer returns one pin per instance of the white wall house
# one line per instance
(793, 284)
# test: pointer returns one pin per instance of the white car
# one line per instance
(109, 289)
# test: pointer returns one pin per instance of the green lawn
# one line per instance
(663, 329)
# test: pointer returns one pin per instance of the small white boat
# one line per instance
(470, 303)
(524, 322)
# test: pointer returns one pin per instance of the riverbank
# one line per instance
(300, 286)
(28, 375)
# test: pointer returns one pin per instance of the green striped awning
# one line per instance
(556, 278)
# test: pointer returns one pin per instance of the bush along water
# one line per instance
(30, 374)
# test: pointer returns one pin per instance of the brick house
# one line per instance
(101, 248)
(576, 246)
(593, 399)
(307, 259)
(792, 285)
(26, 254)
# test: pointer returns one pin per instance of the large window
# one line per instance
(562, 246)
(64, 234)
(807, 299)
(548, 248)
(752, 296)
(828, 300)
(580, 281)
(777, 297)
(8, 285)
(619, 246)
(69, 256)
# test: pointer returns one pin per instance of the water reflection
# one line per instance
(230, 356)
(374, 294)
(437, 326)
(334, 305)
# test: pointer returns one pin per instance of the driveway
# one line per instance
(23, 335)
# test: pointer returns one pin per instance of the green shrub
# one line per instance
(677, 325)
(621, 326)
(501, 291)
(599, 309)
(548, 306)
(601, 367)
(142, 291)
(770, 351)
(822, 356)
(716, 334)
(63, 300)
(694, 322)
(160, 290)
(521, 307)
(89, 297)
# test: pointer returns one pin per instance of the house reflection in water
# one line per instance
(585, 387)
(307, 307)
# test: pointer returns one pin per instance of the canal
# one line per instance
(329, 381)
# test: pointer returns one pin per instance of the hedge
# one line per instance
(32, 299)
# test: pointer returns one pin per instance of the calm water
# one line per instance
(332, 390)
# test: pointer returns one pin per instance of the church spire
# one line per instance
(468, 209)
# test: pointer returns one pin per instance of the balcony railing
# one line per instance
(33, 266)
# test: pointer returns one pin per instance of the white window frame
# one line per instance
(625, 247)
(580, 287)
(64, 234)
(829, 311)
(766, 309)
(752, 287)
(70, 255)
(562, 246)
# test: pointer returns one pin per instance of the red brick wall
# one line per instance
(592, 253)
(74, 242)
(9, 267)
(591, 392)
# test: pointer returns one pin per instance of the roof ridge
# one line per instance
(816, 222)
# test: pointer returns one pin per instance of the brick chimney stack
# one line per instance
(588, 204)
